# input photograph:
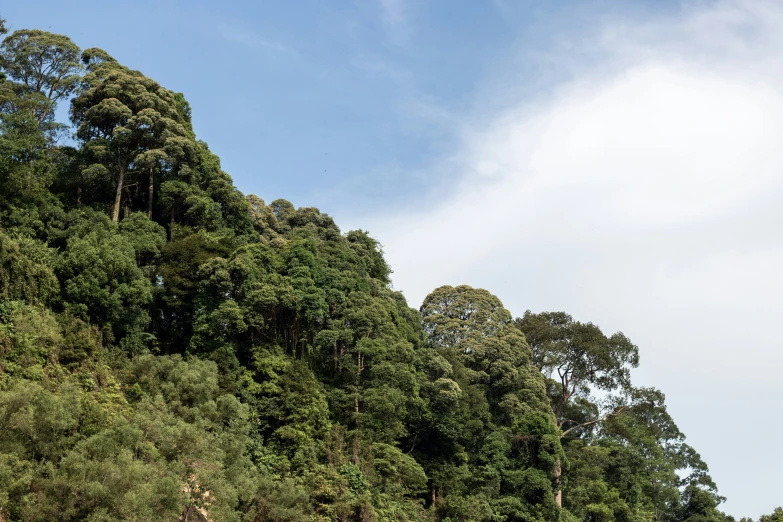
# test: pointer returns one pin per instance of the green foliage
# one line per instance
(25, 271)
(38, 70)
(578, 358)
(504, 425)
(101, 281)
(29, 336)
(147, 237)
(45, 63)
(776, 516)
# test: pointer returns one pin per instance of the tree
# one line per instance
(23, 277)
(46, 64)
(27, 168)
(101, 280)
(505, 418)
(582, 358)
(40, 69)
(776, 516)
(129, 124)
(701, 506)
(461, 317)
(635, 466)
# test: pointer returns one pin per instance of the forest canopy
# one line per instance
(172, 349)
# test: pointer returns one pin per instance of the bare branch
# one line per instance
(602, 418)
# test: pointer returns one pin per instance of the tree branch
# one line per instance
(602, 418)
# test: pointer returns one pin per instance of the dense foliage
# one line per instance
(171, 349)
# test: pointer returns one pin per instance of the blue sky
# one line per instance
(339, 105)
(617, 160)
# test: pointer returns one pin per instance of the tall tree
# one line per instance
(506, 422)
(577, 358)
(38, 70)
(46, 64)
(128, 124)
(635, 466)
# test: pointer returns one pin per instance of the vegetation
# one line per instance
(171, 349)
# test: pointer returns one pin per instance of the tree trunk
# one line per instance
(558, 487)
(151, 192)
(118, 198)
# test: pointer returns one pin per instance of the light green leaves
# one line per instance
(46, 64)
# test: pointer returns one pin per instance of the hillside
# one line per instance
(171, 349)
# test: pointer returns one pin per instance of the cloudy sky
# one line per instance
(621, 161)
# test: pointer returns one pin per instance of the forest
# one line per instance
(174, 350)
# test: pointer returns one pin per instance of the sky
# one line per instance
(620, 161)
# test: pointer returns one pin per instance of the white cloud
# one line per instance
(644, 195)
